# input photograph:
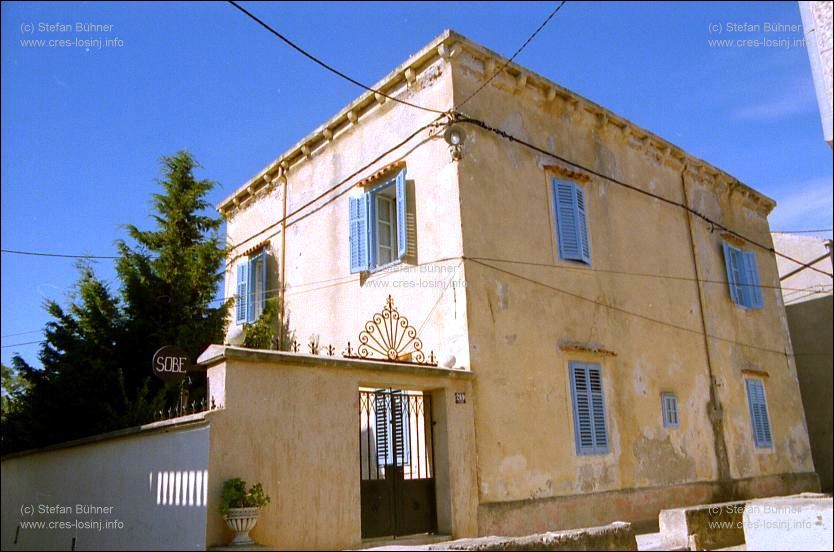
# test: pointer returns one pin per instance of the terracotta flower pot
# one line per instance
(241, 521)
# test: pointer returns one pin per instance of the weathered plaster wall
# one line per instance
(523, 302)
(153, 480)
(323, 299)
(750, 343)
(293, 425)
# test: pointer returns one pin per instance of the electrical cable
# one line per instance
(461, 118)
(321, 63)
(510, 60)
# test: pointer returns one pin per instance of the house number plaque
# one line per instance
(460, 398)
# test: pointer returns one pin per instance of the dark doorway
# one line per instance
(396, 463)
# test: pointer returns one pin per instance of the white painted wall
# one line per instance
(154, 481)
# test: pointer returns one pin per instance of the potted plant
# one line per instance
(240, 508)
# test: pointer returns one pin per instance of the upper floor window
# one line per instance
(571, 221)
(251, 287)
(378, 232)
(669, 406)
(589, 424)
(759, 418)
(743, 277)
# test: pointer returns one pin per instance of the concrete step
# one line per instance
(407, 542)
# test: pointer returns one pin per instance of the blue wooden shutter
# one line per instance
(582, 224)
(670, 410)
(250, 302)
(242, 291)
(598, 408)
(733, 273)
(381, 425)
(264, 280)
(358, 233)
(581, 408)
(758, 414)
(409, 407)
(751, 280)
(588, 408)
(257, 297)
(402, 222)
(400, 453)
(566, 221)
(571, 222)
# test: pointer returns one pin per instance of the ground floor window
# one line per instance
(759, 418)
(669, 405)
(589, 423)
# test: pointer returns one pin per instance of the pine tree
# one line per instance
(96, 358)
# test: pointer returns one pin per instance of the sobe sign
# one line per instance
(170, 363)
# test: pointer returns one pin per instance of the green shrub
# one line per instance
(269, 331)
(234, 495)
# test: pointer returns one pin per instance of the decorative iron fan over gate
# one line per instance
(388, 336)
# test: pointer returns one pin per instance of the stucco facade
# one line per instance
(484, 285)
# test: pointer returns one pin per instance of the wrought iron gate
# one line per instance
(396, 463)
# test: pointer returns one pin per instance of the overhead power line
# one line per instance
(327, 66)
(622, 310)
(42, 254)
(20, 333)
(461, 118)
(320, 285)
(21, 344)
(801, 268)
(628, 273)
(510, 60)
(339, 184)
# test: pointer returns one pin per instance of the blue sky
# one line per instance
(82, 131)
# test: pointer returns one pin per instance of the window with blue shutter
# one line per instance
(378, 225)
(257, 286)
(590, 429)
(669, 405)
(252, 288)
(241, 310)
(381, 427)
(570, 207)
(743, 277)
(759, 419)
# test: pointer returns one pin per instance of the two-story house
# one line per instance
(568, 341)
